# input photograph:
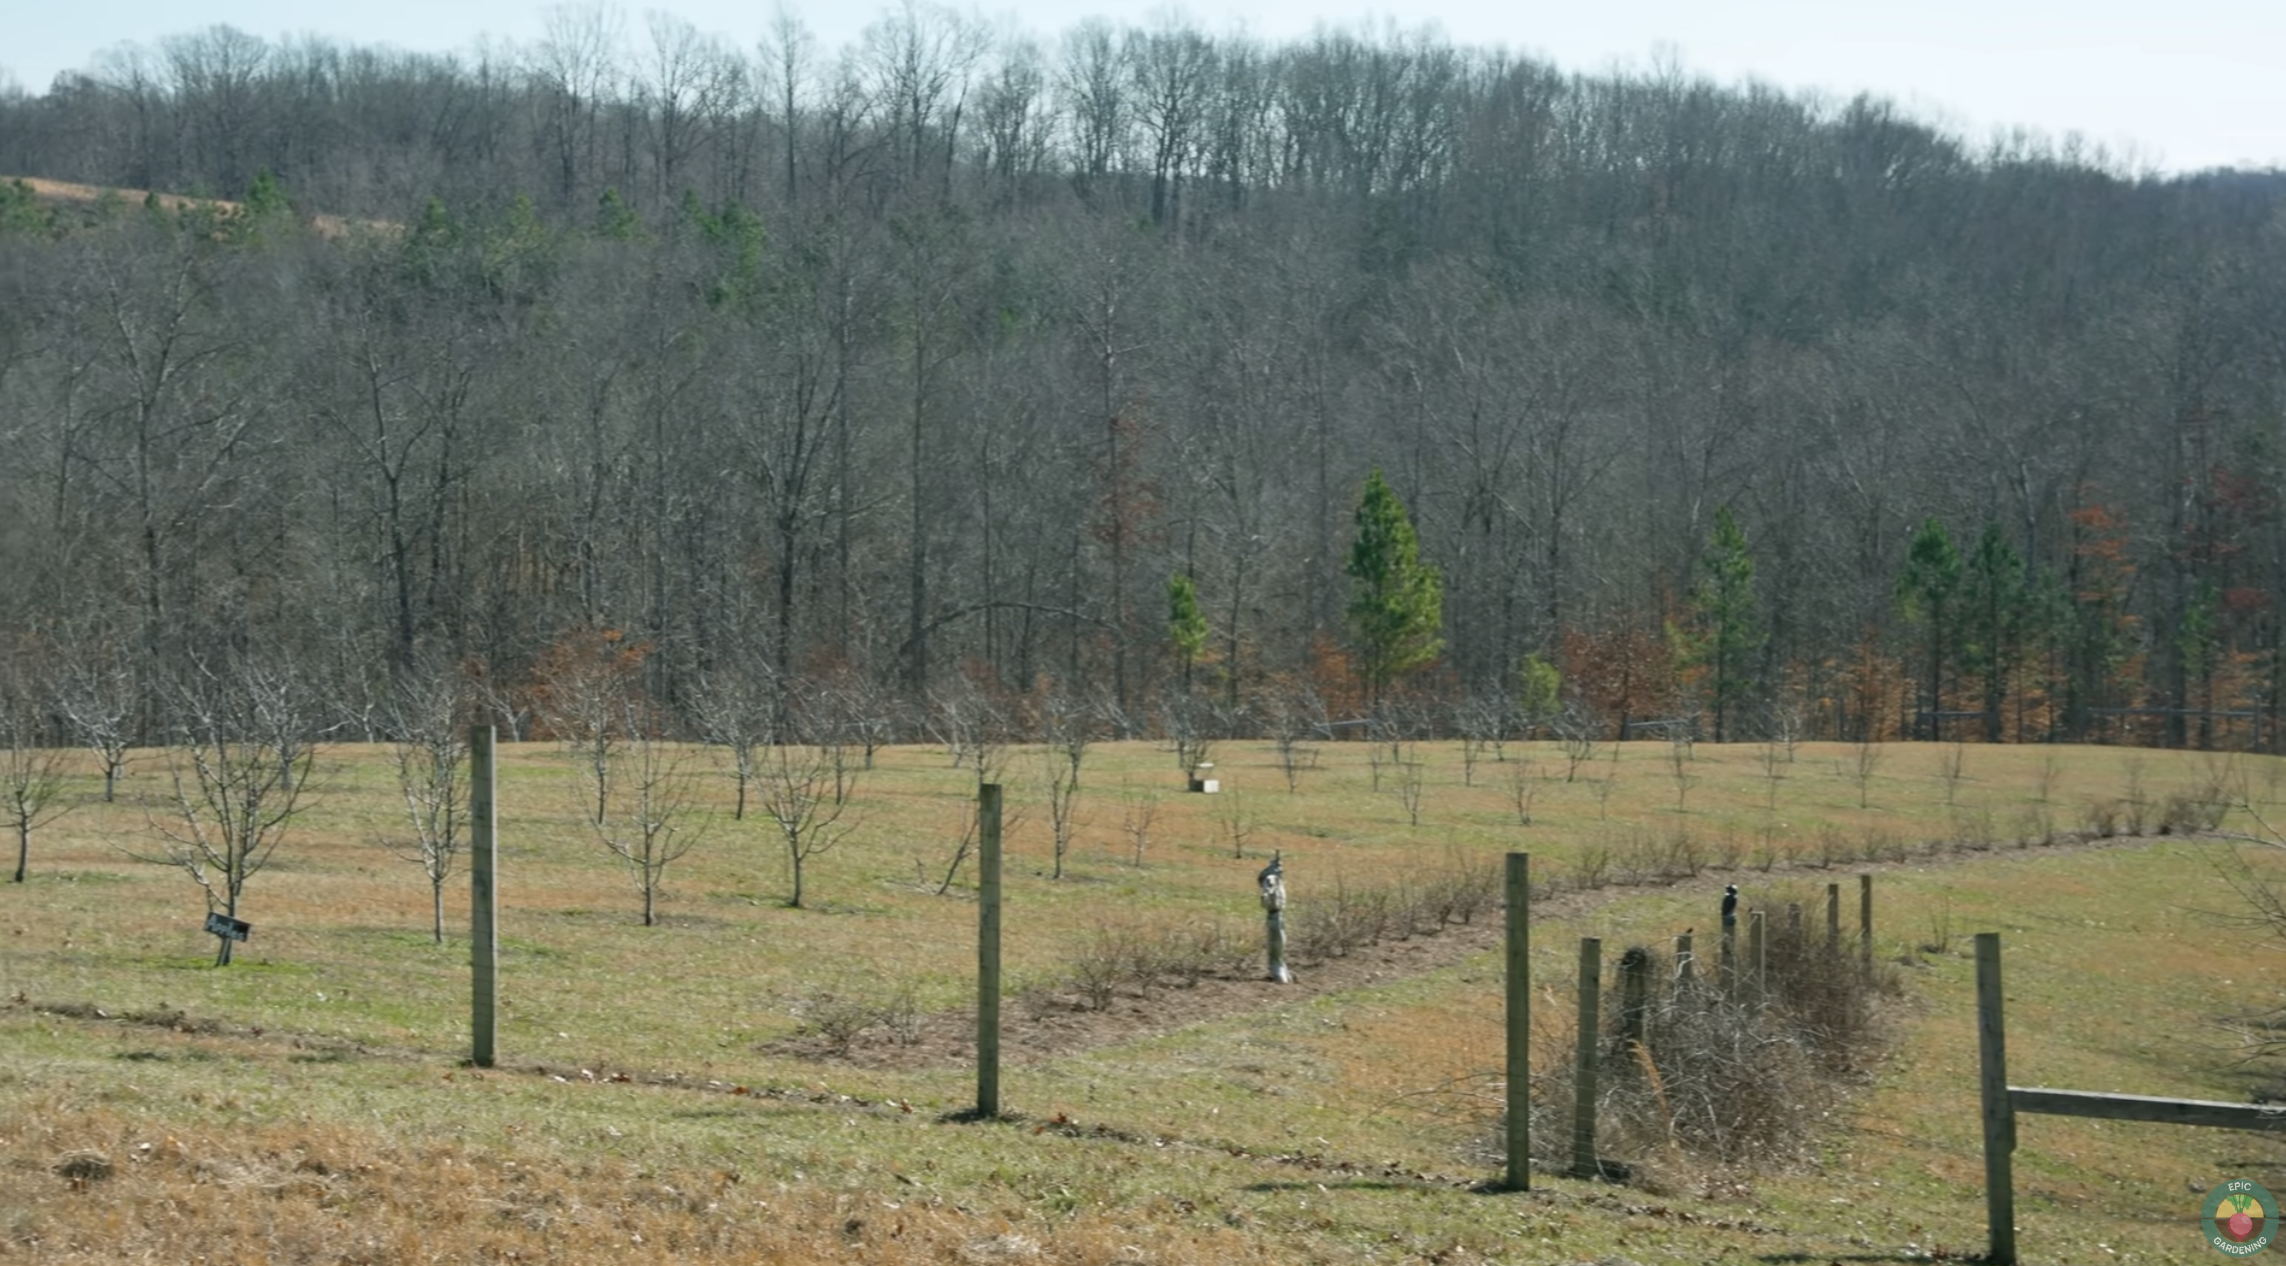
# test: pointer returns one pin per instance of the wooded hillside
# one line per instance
(921, 369)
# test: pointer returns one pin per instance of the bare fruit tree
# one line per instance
(738, 708)
(432, 776)
(655, 817)
(805, 789)
(239, 768)
(1136, 820)
(99, 701)
(1063, 800)
(31, 774)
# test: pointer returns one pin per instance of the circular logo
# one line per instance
(2239, 1218)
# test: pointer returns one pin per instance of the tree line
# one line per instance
(956, 369)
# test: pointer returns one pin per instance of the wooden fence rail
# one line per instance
(2002, 1102)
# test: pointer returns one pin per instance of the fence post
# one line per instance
(1865, 923)
(1686, 964)
(1757, 962)
(1634, 995)
(483, 895)
(1584, 1063)
(1519, 894)
(1999, 1115)
(988, 950)
(1833, 920)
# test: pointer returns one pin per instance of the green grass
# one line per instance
(327, 1064)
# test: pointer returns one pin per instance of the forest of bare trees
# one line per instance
(857, 389)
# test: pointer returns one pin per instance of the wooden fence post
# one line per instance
(1584, 1062)
(1999, 1114)
(1833, 920)
(1757, 962)
(1519, 894)
(1634, 995)
(1686, 964)
(483, 894)
(1865, 923)
(988, 950)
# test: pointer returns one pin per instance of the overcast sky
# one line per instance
(2169, 85)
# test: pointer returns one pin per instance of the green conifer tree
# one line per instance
(1724, 625)
(1397, 602)
(1186, 623)
(1928, 593)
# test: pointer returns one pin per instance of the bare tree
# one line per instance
(239, 769)
(31, 774)
(1869, 754)
(1575, 732)
(1295, 716)
(98, 699)
(1190, 722)
(1482, 719)
(805, 790)
(737, 710)
(1523, 786)
(1063, 798)
(591, 698)
(1236, 822)
(1136, 821)
(656, 818)
(1410, 771)
(427, 717)
(1067, 727)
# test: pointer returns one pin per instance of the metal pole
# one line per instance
(1519, 894)
(483, 893)
(988, 951)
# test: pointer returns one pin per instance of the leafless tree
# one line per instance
(737, 710)
(1295, 716)
(1575, 733)
(32, 771)
(1140, 810)
(1237, 823)
(239, 770)
(99, 701)
(428, 714)
(657, 817)
(1062, 787)
(805, 790)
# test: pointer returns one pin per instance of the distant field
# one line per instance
(66, 193)
(664, 1094)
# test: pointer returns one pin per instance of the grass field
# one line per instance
(662, 1093)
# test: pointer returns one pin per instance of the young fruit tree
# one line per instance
(432, 776)
(239, 767)
(805, 789)
(98, 699)
(31, 774)
(654, 817)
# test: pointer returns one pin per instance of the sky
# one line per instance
(2160, 85)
